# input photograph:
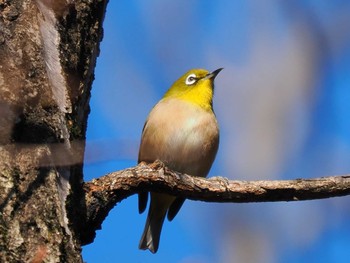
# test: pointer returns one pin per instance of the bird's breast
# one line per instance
(185, 137)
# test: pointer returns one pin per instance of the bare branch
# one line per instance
(103, 193)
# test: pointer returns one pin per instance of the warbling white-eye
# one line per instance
(182, 132)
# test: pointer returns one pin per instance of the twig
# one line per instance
(103, 193)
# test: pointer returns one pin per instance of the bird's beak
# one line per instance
(213, 74)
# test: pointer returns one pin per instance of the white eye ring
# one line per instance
(191, 79)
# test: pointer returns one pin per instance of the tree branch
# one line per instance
(103, 193)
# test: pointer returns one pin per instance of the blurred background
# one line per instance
(282, 102)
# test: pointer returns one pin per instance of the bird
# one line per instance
(182, 132)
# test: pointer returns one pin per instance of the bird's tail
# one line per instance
(156, 214)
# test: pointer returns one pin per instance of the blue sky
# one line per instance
(282, 102)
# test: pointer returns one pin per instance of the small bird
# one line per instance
(181, 131)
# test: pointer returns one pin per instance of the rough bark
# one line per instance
(104, 193)
(48, 51)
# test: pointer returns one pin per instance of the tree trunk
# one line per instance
(48, 50)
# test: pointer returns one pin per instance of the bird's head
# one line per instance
(195, 86)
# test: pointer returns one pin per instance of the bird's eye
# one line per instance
(191, 79)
